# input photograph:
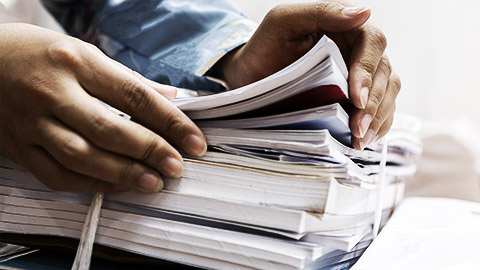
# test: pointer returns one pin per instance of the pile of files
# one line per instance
(279, 188)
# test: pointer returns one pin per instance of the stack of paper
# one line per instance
(279, 188)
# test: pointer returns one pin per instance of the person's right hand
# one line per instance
(52, 123)
(289, 31)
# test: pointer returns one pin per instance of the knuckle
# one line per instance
(104, 130)
(368, 65)
(74, 149)
(386, 66)
(396, 82)
(380, 117)
(378, 38)
(173, 124)
(68, 52)
(129, 173)
(136, 98)
(149, 149)
(375, 98)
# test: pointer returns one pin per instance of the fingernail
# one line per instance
(362, 145)
(364, 97)
(150, 183)
(364, 124)
(194, 145)
(375, 139)
(171, 167)
(352, 11)
(368, 137)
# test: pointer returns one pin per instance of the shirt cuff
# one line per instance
(236, 33)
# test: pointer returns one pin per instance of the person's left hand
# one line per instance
(290, 31)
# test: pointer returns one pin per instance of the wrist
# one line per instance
(230, 68)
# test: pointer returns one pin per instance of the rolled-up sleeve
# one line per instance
(173, 42)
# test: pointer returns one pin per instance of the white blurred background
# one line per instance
(434, 45)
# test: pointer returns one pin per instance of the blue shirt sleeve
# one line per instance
(173, 42)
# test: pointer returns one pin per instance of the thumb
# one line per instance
(323, 16)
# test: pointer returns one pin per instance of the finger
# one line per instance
(384, 128)
(385, 110)
(113, 133)
(56, 177)
(78, 155)
(121, 89)
(168, 91)
(387, 107)
(368, 46)
(129, 94)
(379, 120)
(319, 17)
(361, 119)
(382, 132)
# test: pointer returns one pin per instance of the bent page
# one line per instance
(331, 117)
(322, 50)
(322, 85)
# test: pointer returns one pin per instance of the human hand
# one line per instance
(290, 31)
(52, 123)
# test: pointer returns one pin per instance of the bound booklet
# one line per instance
(318, 78)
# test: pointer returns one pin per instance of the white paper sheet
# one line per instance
(427, 233)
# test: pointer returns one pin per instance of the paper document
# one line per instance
(427, 233)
